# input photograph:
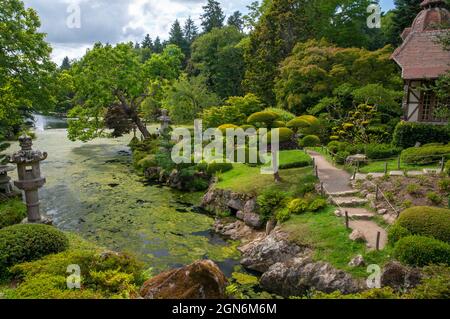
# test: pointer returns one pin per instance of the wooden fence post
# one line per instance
(378, 240)
(385, 168)
(347, 225)
(317, 171)
(357, 166)
(377, 191)
(354, 174)
(314, 162)
(321, 189)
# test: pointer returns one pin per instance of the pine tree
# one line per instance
(157, 46)
(212, 17)
(176, 35)
(190, 31)
(65, 65)
(403, 16)
(137, 46)
(147, 43)
(236, 20)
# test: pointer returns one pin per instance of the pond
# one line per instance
(92, 190)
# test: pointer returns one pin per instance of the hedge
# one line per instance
(421, 251)
(427, 221)
(27, 242)
(425, 155)
(397, 232)
(263, 117)
(407, 134)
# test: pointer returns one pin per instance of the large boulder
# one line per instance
(253, 220)
(261, 254)
(200, 280)
(299, 275)
(400, 277)
(236, 230)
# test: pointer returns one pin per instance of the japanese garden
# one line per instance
(315, 141)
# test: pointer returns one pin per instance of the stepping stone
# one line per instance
(397, 173)
(415, 173)
(360, 176)
(357, 213)
(370, 230)
(344, 193)
(376, 175)
(349, 201)
(431, 171)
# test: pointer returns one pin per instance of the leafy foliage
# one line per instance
(12, 212)
(426, 154)
(422, 251)
(407, 134)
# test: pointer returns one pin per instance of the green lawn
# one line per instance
(245, 179)
(327, 235)
(294, 158)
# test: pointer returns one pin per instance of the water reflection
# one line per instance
(43, 123)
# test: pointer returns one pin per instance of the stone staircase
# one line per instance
(360, 218)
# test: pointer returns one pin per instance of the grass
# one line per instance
(294, 158)
(329, 238)
(246, 179)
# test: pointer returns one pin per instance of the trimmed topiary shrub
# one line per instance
(246, 127)
(422, 251)
(278, 124)
(427, 221)
(12, 212)
(305, 124)
(381, 151)
(223, 128)
(27, 242)
(407, 134)
(285, 135)
(310, 141)
(283, 115)
(397, 232)
(425, 155)
(265, 117)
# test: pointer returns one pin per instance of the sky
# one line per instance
(71, 32)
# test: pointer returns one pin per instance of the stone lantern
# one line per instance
(165, 121)
(29, 174)
(5, 185)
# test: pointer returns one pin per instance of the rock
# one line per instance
(240, 215)
(400, 277)
(235, 204)
(357, 235)
(270, 226)
(260, 255)
(236, 231)
(382, 211)
(200, 280)
(358, 261)
(338, 213)
(300, 275)
(251, 206)
(371, 197)
(253, 220)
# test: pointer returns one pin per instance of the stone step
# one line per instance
(344, 193)
(357, 213)
(370, 230)
(349, 201)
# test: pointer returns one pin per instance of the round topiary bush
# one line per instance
(306, 124)
(283, 115)
(285, 135)
(310, 141)
(427, 221)
(247, 127)
(421, 251)
(12, 212)
(397, 232)
(278, 124)
(27, 242)
(223, 128)
(265, 117)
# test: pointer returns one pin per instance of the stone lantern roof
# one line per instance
(27, 155)
(421, 56)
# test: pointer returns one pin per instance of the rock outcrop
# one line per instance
(200, 280)
(400, 277)
(261, 254)
(299, 275)
(220, 200)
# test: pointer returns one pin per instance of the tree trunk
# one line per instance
(277, 177)
(135, 118)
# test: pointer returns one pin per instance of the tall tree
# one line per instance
(212, 17)
(176, 37)
(147, 43)
(236, 20)
(190, 31)
(65, 65)
(403, 16)
(26, 71)
(158, 46)
(218, 57)
(113, 78)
